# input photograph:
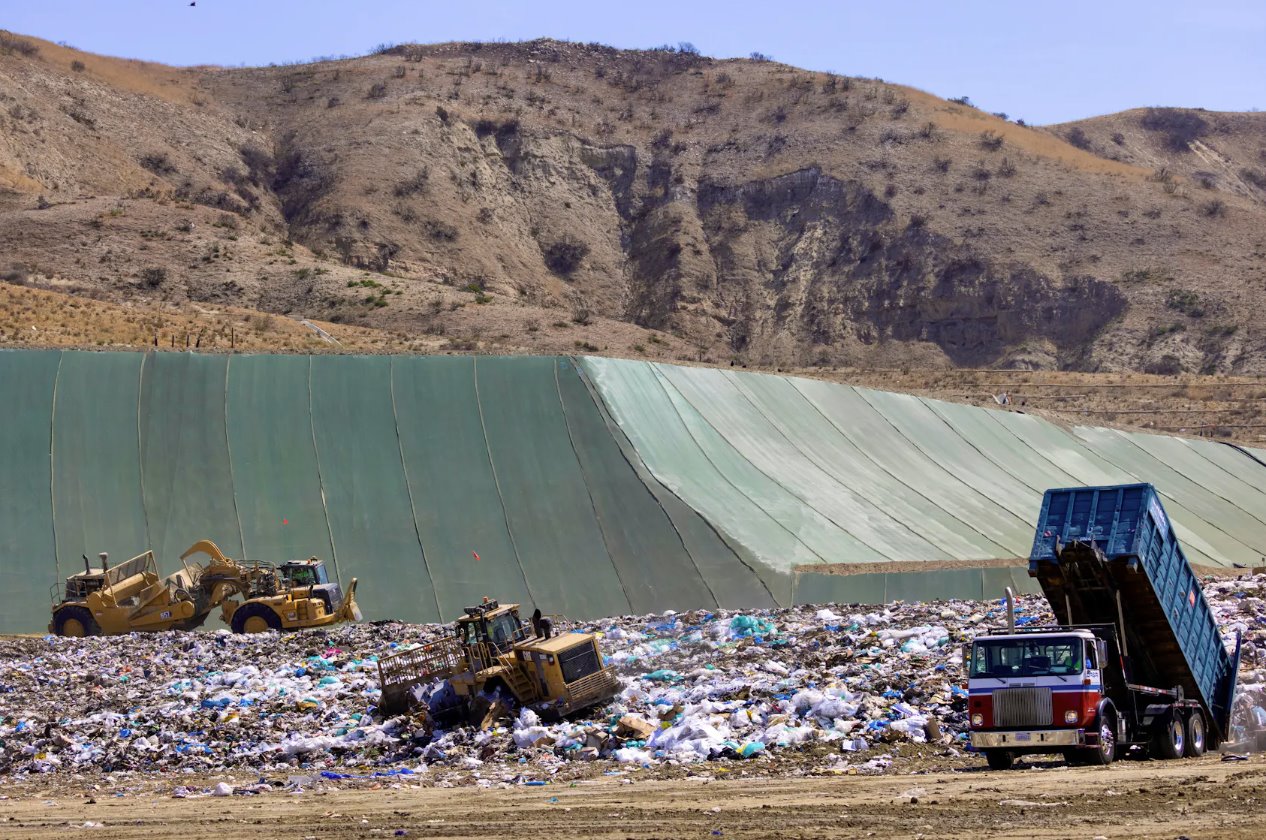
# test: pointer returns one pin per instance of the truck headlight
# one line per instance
(978, 719)
(1070, 716)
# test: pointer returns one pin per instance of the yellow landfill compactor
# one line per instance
(492, 650)
(131, 597)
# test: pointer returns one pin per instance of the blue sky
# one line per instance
(1042, 61)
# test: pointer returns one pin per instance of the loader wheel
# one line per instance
(1195, 736)
(75, 622)
(1170, 739)
(255, 618)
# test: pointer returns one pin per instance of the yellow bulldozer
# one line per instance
(131, 597)
(492, 650)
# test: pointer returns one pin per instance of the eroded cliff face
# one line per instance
(827, 262)
(753, 212)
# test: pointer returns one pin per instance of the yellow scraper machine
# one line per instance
(492, 650)
(131, 597)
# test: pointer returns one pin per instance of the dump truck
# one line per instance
(492, 651)
(1136, 659)
(111, 600)
(131, 597)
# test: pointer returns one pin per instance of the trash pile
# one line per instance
(846, 683)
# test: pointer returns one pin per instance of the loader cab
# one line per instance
(299, 573)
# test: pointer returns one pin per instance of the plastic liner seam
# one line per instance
(496, 480)
(408, 488)
(593, 505)
(608, 421)
(316, 454)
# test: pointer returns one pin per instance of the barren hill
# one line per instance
(547, 195)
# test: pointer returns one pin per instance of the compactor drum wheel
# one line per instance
(76, 622)
(1195, 736)
(255, 618)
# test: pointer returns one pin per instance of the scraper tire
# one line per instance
(75, 621)
(249, 616)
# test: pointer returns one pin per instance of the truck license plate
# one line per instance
(1024, 736)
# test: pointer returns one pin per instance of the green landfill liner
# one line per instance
(366, 494)
(186, 473)
(27, 544)
(587, 487)
(547, 501)
(274, 460)
(97, 459)
(453, 489)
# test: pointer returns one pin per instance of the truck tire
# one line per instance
(1106, 752)
(1195, 745)
(75, 621)
(254, 618)
(1000, 759)
(1170, 738)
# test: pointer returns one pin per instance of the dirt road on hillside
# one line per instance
(1198, 799)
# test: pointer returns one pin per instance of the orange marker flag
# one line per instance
(475, 554)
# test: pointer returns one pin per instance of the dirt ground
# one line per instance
(1194, 798)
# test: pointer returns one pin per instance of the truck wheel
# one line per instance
(76, 622)
(1106, 752)
(1170, 738)
(1195, 735)
(1000, 759)
(254, 618)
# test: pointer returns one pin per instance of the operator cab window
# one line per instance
(301, 576)
(1090, 657)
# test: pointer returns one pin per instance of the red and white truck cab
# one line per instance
(1040, 691)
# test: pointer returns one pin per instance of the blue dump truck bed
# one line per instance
(1108, 555)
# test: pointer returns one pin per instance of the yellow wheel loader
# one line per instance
(296, 595)
(493, 650)
(112, 600)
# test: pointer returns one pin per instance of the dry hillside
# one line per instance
(555, 196)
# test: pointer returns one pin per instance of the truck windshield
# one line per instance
(1035, 657)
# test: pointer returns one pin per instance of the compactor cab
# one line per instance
(493, 651)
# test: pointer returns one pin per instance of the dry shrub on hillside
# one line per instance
(564, 256)
(1180, 127)
(11, 44)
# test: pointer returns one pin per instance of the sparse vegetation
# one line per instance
(1185, 301)
(1077, 137)
(158, 163)
(377, 90)
(991, 141)
(1214, 209)
(563, 256)
(154, 276)
(1180, 127)
(77, 66)
(11, 44)
(415, 184)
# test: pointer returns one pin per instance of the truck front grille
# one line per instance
(1022, 707)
